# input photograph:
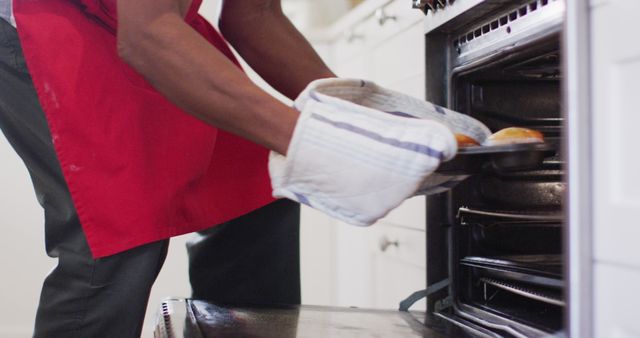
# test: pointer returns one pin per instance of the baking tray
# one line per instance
(510, 157)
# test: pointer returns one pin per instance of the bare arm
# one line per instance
(271, 45)
(154, 39)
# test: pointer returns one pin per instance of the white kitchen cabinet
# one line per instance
(378, 266)
(615, 64)
(407, 52)
(399, 261)
(616, 301)
(616, 117)
(411, 214)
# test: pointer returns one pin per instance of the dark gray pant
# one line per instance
(253, 259)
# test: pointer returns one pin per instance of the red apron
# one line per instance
(138, 168)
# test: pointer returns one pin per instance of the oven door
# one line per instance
(199, 319)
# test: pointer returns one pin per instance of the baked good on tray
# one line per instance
(466, 141)
(514, 135)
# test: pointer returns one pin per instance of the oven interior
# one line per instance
(498, 236)
(508, 225)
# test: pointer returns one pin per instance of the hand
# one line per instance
(353, 160)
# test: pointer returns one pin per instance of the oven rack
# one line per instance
(541, 273)
(529, 292)
(500, 324)
(545, 66)
(540, 122)
(513, 224)
(510, 321)
(466, 213)
(550, 127)
(505, 241)
(475, 330)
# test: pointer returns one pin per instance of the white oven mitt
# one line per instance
(352, 161)
(370, 95)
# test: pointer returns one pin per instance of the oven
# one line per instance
(495, 253)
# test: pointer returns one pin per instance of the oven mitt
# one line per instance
(356, 162)
(370, 95)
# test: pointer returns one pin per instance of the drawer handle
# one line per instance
(385, 243)
(352, 36)
(383, 17)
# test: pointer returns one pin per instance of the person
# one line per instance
(137, 124)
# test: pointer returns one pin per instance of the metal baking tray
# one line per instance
(510, 157)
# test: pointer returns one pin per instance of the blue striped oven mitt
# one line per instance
(359, 150)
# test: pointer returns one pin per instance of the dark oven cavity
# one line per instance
(497, 237)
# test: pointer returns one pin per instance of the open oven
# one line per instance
(496, 240)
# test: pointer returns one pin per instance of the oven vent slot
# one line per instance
(501, 21)
(511, 23)
(525, 291)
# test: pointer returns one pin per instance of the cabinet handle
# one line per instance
(352, 36)
(383, 17)
(385, 243)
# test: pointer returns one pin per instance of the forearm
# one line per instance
(271, 45)
(196, 77)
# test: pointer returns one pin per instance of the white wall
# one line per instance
(22, 257)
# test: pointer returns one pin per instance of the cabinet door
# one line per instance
(399, 259)
(411, 213)
(616, 117)
(398, 63)
(379, 266)
(400, 58)
(617, 300)
(350, 49)
(616, 196)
